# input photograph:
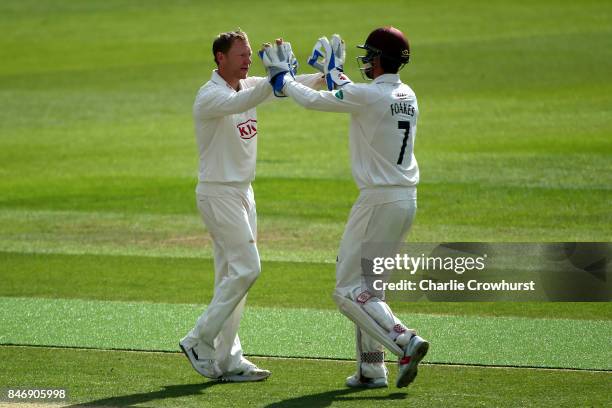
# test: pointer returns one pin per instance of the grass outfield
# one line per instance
(103, 378)
(291, 332)
(513, 138)
(170, 280)
(98, 218)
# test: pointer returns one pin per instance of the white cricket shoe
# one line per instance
(357, 381)
(414, 352)
(246, 372)
(206, 367)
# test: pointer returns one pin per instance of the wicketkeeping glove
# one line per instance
(293, 64)
(333, 55)
(278, 59)
(321, 50)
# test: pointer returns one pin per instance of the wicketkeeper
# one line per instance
(381, 137)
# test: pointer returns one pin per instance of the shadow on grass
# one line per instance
(169, 391)
(318, 400)
(326, 399)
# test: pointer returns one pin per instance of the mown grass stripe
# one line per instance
(121, 379)
(281, 285)
(307, 333)
(292, 358)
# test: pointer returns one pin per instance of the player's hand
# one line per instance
(279, 60)
(293, 62)
(320, 51)
(328, 57)
(338, 48)
(335, 76)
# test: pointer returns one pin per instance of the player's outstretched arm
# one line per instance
(276, 59)
(216, 102)
(350, 99)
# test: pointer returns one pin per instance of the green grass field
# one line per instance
(101, 242)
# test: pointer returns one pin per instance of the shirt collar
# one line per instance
(218, 79)
(388, 78)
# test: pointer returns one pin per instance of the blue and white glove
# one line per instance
(278, 59)
(332, 55)
(293, 64)
(321, 49)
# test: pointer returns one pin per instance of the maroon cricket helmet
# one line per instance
(388, 43)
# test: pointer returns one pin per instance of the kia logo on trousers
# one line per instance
(247, 129)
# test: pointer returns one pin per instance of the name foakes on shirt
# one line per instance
(402, 108)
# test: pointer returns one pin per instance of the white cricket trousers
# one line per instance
(228, 211)
(380, 215)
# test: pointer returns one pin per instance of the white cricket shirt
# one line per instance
(382, 131)
(226, 126)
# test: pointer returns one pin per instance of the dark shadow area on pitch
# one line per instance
(169, 391)
(326, 399)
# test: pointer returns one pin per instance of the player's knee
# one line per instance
(337, 298)
(341, 297)
(247, 266)
(245, 274)
(251, 274)
(256, 272)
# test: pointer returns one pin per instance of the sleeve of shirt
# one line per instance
(216, 102)
(350, 99)
(313, 81)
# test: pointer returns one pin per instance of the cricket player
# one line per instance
(381, 138)
(226, 133)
